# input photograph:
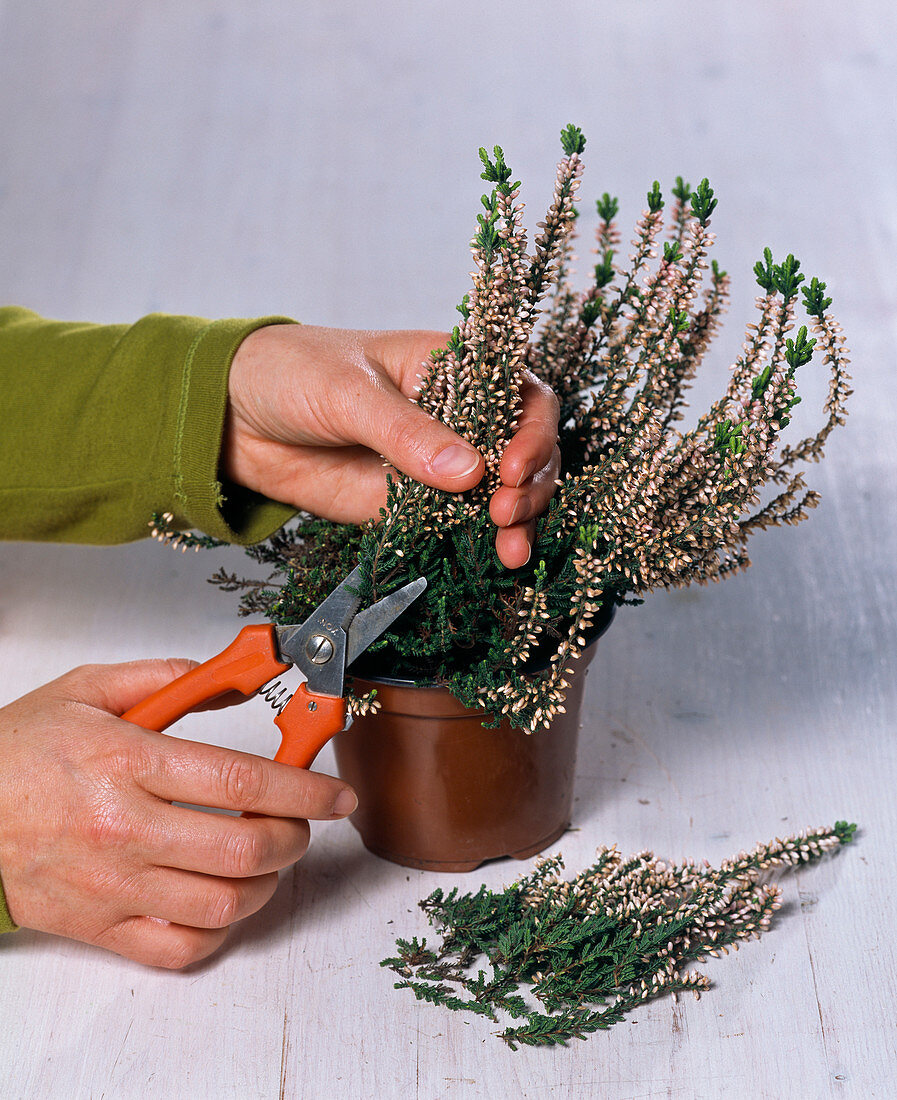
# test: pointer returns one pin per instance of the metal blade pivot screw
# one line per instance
(319, 649)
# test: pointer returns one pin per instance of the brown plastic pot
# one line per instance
(438, 790)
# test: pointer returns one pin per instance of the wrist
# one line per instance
(247, 422)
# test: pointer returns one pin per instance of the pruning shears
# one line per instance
(322, 648)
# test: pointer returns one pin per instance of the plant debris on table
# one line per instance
(588, 950)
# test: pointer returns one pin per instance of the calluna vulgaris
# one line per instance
(572, 956)
(641, 504)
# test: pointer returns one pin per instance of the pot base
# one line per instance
(460, 865)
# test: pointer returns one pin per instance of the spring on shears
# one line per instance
(276, 694)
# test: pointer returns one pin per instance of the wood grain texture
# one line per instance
(222, 158)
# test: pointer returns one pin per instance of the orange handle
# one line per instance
(307, 723)
(249, 661)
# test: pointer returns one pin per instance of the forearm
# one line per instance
(105, 424)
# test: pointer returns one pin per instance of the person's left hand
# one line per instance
(312, 410)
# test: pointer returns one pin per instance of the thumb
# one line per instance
(117, 688)
(415, 443)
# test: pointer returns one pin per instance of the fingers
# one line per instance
(529, 469)
(512, 505)
(188, 771)
(202, 901)
(536, 436)
(155, 942)
(217, 844)
(117, 688)
(183, 918)
(97, 851)
(412, 441)
(513, 511)
(390, 424)
(514, 544)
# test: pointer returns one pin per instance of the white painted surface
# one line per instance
(228, 158)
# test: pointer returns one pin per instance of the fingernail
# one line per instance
(456, 461)
(516, 513)
(345, 804)
(528, 471)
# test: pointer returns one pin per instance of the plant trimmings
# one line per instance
(589, 949)
(642, 503)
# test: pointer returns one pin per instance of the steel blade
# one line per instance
(368, 625)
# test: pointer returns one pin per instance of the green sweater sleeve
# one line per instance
(6, 922)
(102, 425)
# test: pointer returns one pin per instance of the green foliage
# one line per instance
(604, 272)
(815, 301)
(784, 278)
(655, 198)
(495, 171)
(590, 312)
(454, 342)
(702, 202)
(589, 535)
(679, 320)
(727, 437)
(799, 352)
(787, 277)
(487, 237)
(590, 950)
(572, 140)
(608, 207)
(681, 190)
(758, 386)
(763, 270)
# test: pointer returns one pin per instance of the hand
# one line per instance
(313, 409)
(90, 845)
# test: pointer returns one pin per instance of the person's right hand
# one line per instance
(91, 846)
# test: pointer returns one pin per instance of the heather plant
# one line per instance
(572, 956)
(643, 503)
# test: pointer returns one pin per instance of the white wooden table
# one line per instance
(227, 158)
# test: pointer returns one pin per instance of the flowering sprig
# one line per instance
(590, 949)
